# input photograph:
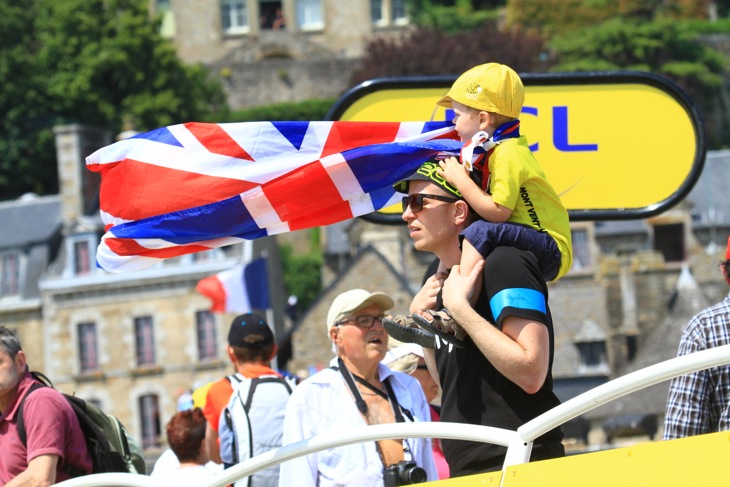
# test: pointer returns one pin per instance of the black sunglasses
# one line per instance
(415, 201)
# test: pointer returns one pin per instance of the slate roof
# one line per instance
(29, 220)
(660, 345)
(709, 197)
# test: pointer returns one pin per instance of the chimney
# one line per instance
(78, 187)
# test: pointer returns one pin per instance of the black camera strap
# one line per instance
(362, 406)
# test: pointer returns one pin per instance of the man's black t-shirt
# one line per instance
(474, 392)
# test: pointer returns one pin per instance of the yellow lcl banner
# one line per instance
(615, 145)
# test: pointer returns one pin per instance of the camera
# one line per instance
(403, 473)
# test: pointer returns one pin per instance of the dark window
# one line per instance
(271, 15)
(88, 356)
(145, 341)
(669, 240)
(592, 354)
(207, 340)
(9, 275)
(149, 411)
(82, 258)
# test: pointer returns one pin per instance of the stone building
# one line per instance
(273, 51)
(132, 342)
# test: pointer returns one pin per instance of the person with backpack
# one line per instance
(55, 448)
(245, 410)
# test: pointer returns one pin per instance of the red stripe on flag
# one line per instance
(304, 192)
(136, 190)
(333, 214)
(129, 247)
(217, 140)
(348, 135)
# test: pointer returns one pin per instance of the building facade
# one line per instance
(278, 51)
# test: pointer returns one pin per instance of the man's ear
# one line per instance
(21, 361)
(231, 354)
(334, 334)
(274, 349)
(723, 269)
(461, 212)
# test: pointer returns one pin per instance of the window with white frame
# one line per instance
(387, 12)
(309, 14)
(149, 411)
(81, 256)
(88, 353)
(9, 274)
(234, 16)
(376, 12)
(167, 19)
(398, 12)
(581, 249)
(207, 336)
(144, 340)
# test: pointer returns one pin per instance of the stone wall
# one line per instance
(282, 80)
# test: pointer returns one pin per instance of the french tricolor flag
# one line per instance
(240, 289)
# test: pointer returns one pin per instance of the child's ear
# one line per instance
(485, 120)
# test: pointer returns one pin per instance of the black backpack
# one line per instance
(109, 444)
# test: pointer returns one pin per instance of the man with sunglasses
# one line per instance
(356, 391)
(501, 375)
(699, 402)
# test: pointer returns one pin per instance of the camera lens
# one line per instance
(414, 474)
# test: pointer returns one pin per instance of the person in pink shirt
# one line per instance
(56, 449)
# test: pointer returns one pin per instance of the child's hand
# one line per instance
(454, 172)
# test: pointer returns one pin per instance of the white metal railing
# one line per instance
(518, 443)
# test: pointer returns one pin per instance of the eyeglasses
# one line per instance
(415, 201)
(363, 321)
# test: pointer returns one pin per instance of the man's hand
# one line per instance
(457, 289)
(426, 297)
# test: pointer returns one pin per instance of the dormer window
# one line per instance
(81, 251)
(9, 274)
(591, 344)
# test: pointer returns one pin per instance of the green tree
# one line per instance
(302, 273)
(669, 48)
(98, 62)
(452, 16)
(434, 52)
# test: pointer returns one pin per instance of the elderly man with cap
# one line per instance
(699, 402)
(501, 373)
(251, 347)
(356, 391)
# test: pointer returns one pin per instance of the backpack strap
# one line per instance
(262, 380)
(20, 422)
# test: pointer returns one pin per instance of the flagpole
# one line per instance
(270, 321)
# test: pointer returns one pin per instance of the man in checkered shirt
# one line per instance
(700, 402)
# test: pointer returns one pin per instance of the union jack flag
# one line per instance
(196, 186)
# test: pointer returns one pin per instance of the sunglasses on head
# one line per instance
(415, 201)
